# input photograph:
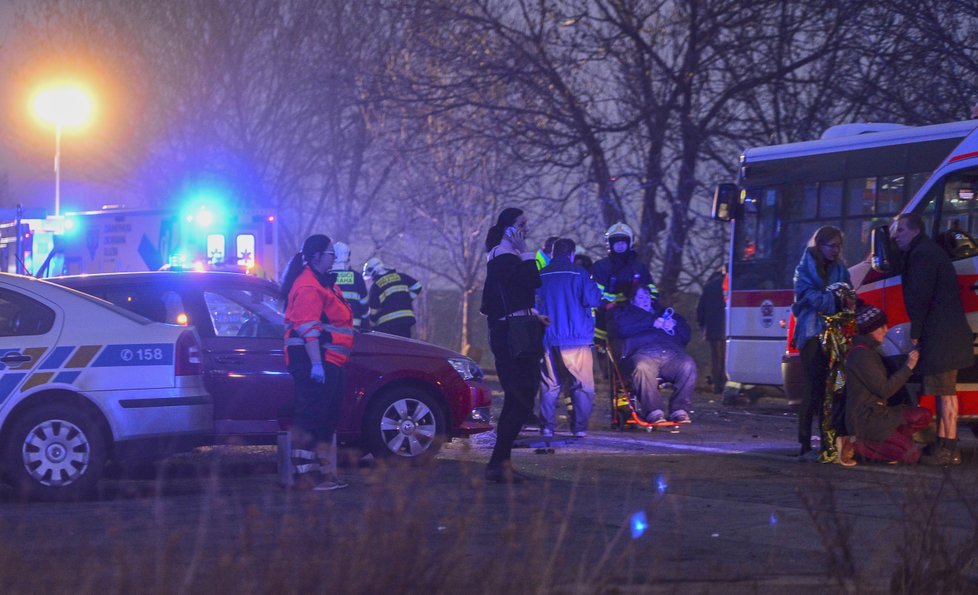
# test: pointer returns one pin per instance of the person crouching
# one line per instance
(878, 432)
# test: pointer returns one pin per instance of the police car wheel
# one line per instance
(55, 453)
(405, 422)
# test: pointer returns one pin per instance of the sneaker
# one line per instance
(581, 434)
(847, 453)
(679, 416)
(330, 484)
(655, 416)
(547, 433)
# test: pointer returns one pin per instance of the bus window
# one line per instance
(861, 196)
(830, 199)
(890, 199)
(916, 181)
(800, 202)
(960, 208)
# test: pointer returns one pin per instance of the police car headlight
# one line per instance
(466, 368)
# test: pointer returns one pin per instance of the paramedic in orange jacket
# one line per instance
(318, 342)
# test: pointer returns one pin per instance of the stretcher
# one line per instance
(624, 402)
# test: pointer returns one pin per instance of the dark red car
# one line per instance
(401, 397)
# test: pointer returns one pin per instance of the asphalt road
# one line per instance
(718, 507)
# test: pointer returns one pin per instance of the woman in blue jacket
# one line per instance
(820, 268)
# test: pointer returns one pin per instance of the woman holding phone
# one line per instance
(510, 289)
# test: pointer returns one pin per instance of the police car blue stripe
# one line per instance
(8, 382)
(142, 354)
(57, 357)
(67, 377)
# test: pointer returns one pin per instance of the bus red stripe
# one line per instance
(748, 299)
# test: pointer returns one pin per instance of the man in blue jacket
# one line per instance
(652, 343)
(567, 294)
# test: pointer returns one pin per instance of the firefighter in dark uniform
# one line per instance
(390, 298)
(616, 274)
(351, 283)
(318, 343)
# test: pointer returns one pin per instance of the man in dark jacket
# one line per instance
(567, 294)
(878, 432)
(711, 318)
(938, 325)
(652, 344)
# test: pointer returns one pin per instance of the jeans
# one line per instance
(649, 364)
(579, 365)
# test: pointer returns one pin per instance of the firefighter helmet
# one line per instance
(342, 252)
(373, 267)
(620, 230)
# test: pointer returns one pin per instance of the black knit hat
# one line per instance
(869, 318)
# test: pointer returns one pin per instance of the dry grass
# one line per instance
(434, 529)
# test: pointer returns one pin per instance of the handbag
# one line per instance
(524, 333)
(524, 336)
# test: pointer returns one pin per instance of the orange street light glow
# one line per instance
(68, 106)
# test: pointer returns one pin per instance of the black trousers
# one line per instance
(520, 377)
(401, 328)
(317, 406)
(718, 353)
(815, 368)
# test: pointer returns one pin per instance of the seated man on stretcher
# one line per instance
(652, 343)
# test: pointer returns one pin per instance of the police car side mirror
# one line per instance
(725, 202)
(881, 258)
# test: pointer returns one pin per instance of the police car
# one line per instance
(83, 381)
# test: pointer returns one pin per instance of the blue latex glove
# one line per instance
(317, 373)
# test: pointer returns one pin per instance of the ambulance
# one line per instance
(114, 239)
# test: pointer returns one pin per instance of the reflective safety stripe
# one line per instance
(307, 468)
(340, 349)
(351, 296)
(600, 334)
(395, 315)
(392, 290)
(308, 330)
(294, 341)
(339, 330)
(299, 453)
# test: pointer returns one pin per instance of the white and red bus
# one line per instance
(857, 177)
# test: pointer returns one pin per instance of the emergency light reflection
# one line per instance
(639, 524)
(660, 484)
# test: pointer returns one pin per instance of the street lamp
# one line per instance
(67, 107)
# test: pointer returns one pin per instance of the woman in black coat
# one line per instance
(510, 289)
